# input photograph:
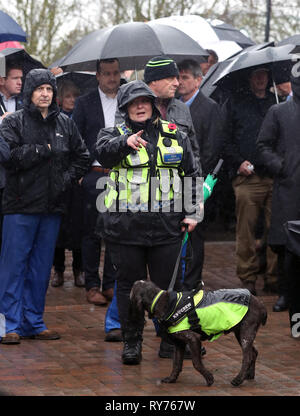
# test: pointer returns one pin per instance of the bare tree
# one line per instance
(47, 23)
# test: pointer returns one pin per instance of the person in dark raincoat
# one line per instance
(71, 228)
(46, 155)
(243, 114)
(137, 235)
(279, 147)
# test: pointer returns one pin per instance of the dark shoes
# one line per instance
(250, 285)
(166, 350)
(114, 335)
(108, 294)
(11, 338)
(95, 296)
(58, 279)
(132, 352)
(79, 279)
(47, 334)
(281, 304)
(14, 338)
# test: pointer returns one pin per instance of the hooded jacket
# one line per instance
(278, 144)
(140, 228)
(38, 176)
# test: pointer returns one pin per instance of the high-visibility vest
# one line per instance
(130, 179)
(208, 313)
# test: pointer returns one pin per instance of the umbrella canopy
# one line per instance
(291, 40)
(207, 85)
(10, 30)
(133, 44)
(18, 55)
(85, 81)
(277, 59)
(224, 31)
(11, 44)
(210, 35)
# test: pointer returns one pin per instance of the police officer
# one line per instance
(142, 225)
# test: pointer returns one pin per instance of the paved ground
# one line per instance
(82, 364)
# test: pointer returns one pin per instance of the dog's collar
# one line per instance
(155, 300)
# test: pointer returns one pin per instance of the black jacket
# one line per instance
(141, 228)
(207, 120)
(243, 115)
(279, 147)
(38, 177)
(89, 118)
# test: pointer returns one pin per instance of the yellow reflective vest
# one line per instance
(130, 183)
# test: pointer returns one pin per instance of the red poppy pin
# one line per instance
(172, 126)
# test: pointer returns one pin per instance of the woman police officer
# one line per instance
(142, 224)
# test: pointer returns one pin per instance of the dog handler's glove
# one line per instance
(208, 186)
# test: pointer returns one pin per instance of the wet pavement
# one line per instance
(82, 364)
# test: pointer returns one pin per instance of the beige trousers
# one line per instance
(252, 194)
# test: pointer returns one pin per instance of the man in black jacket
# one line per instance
(207, 121)
(278, 146)
(92, 112)
(244, 114)
(47, 155)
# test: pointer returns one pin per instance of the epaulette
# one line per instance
(124, 129)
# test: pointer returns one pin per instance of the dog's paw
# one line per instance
(168, 380)
(237, 381)
(209, 379)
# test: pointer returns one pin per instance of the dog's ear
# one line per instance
(161, 306)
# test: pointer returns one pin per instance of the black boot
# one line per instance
(132, 351)
(281, 304)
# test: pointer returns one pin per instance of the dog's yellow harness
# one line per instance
(208, 313)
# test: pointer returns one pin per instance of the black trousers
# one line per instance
(59, 259)
(91, 243)
(194, 264)
(133, 263)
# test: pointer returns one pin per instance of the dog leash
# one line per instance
(185, 235)
(184, 239)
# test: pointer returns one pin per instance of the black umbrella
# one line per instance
(133, 44)
(224, 31)
(277, 59)
(10, 30)
(207, 85)
(19, 56)
(85, 81)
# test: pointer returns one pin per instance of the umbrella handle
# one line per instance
(276, 93)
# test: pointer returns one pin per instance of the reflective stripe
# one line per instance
(133, 182)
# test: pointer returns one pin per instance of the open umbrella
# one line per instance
(277, 59)
(210, 35)
(10, 30)
(224, 31)
(133, 44)
(291, 40)
(207, 85)
(85, 81)
(18, 55)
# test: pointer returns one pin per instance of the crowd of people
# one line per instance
(57, 145)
